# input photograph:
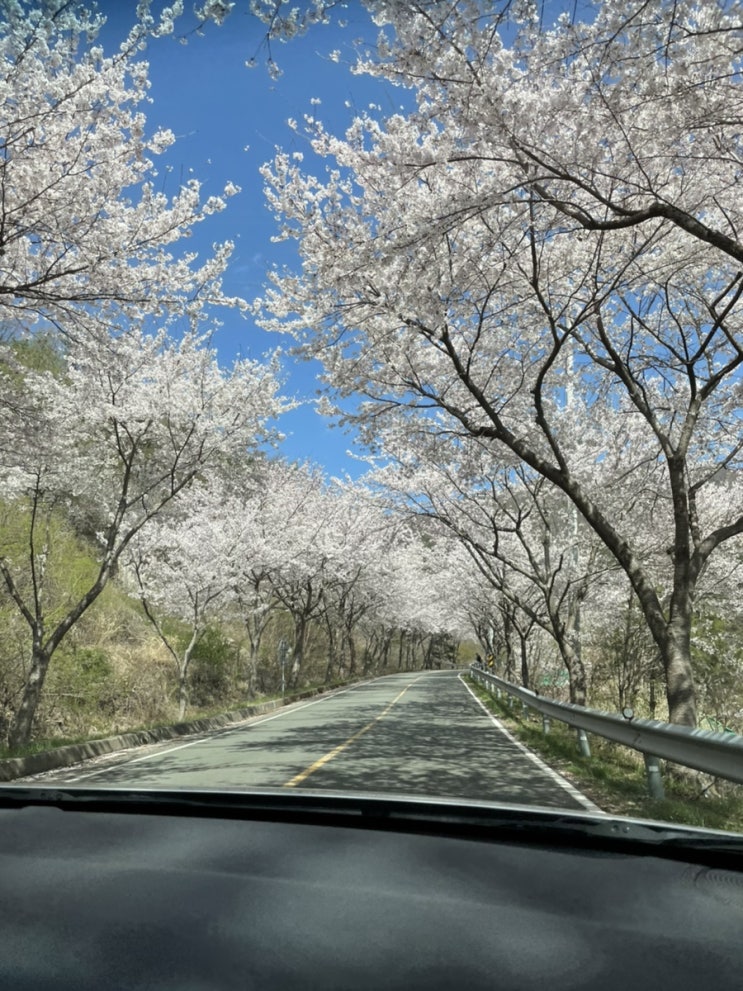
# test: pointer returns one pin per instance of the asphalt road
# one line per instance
(415, 734)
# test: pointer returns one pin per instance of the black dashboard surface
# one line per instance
(110, 900)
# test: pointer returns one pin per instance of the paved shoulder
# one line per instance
(564, 786)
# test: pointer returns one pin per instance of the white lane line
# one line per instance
(549, 771)
(253, 720)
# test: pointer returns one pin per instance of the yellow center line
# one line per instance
(299, 778)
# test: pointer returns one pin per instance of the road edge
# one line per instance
(12, 768)
(568, 786)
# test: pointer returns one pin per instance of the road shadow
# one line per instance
(436, 741)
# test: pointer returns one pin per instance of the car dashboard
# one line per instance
(205, 892)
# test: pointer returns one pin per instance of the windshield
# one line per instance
(370, 403)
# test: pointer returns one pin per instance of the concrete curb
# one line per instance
(75, 753)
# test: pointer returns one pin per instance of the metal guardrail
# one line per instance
(719, 754)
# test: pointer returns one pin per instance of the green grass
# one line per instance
(614, 776)
(39, 746)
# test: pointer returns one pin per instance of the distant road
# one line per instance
(416, 734)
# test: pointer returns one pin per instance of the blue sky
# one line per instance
(228, 119)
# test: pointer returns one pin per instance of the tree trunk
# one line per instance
(332, 648)
(524, 660)
(676, 651)
(351, 655)
(567, 636)
(676, 658)
(183, 665)
(250, 670)
(300, 638)
(21, 725)
(386, 650)
(624, 659)
(652, 701)
(576, 671)
(508, 646)
(182, 694)
(255, 638)
(428, 655)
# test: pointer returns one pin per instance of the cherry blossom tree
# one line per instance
(266, 499)
(181, 564)
(616, 115)
(332, 557)
(363, 535)
(522, 536)
(254, 598)
(558, 216)
(129, 424)
(329, 542)
(417, 602)
(294, 513)
(325, 553)
(507, 634)
(82, 225)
